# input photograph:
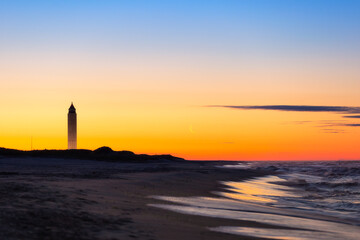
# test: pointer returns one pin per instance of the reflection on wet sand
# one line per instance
(279, 233)
(259, 190)
(249, 201)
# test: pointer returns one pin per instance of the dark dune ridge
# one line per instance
(103, 154)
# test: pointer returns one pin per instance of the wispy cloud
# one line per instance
(324, 124)
(351, 125)
(352, 116)
(298, 122)
(294, 108)
(330, 126)
(327, 130)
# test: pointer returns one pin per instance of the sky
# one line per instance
(199, 79)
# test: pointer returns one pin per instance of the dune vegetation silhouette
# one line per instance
(102, 154)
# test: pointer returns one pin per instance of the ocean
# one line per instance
(298, 200)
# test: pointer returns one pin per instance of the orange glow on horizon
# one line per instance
(158, 106)
(191, 132)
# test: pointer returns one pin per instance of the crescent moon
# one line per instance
(191, 129)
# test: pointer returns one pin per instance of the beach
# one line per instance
(81, 199)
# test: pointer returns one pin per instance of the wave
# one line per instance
(297, 200)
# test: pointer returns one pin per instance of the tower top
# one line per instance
(72, 108)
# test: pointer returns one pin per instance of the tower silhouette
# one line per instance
(72, 128)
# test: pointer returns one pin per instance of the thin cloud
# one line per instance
(298, 122)
(295, 108)
(326, 125)
(333, 131)
(352, 116)
(334, 124)
(352, 125)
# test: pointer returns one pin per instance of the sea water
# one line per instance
(298, 200)
(324, 187)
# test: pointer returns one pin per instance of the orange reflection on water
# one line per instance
(246, 197)
(258, 190)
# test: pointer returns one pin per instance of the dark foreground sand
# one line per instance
(79, 199)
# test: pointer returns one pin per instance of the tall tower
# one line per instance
(72, 128)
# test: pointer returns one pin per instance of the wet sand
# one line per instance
(80, 199)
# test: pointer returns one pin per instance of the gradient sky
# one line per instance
(160, 77)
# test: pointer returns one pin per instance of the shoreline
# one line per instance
(67, 199)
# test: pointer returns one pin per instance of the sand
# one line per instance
(80, 199)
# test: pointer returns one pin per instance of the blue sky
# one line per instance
(203, 27)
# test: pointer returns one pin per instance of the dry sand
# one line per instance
(80, 199)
